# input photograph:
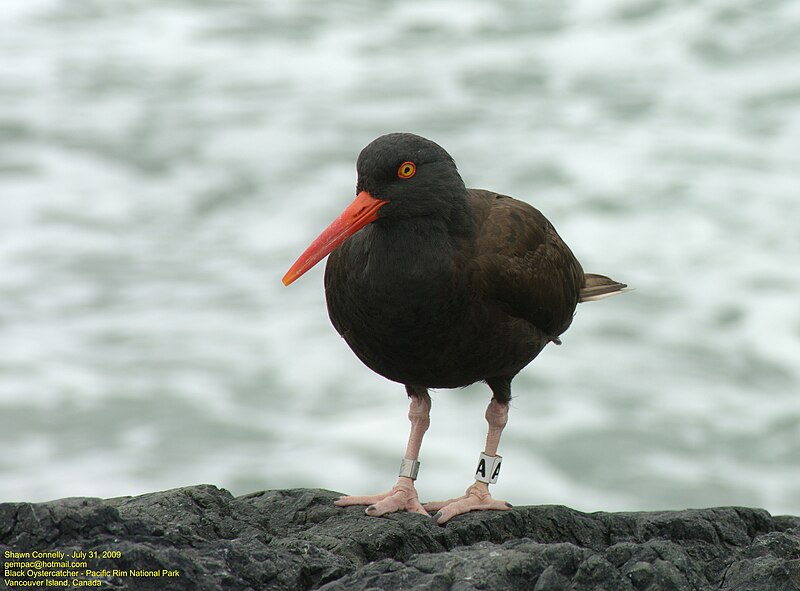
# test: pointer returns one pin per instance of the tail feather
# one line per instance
(597, 287)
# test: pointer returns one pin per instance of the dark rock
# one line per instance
(297, 539)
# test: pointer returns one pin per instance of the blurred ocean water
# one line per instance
(163, 163)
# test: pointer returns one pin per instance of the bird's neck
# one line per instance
(409, 250)
(440, 224)
(413, 235)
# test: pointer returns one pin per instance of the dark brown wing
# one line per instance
(521, 263)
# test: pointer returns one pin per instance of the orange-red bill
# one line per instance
(362, 211)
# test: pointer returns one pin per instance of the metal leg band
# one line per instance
(488, 468)
(409, 468)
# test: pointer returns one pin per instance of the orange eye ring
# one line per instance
(407, 170)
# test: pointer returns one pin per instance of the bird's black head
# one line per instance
(401, 176)
(415, 175)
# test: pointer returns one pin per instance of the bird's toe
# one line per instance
(350, 500)
(435, 506)
(477, 498)
(391, 504)
(402, 497)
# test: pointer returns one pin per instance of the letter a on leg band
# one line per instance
(488, 468)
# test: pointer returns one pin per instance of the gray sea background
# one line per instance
(163, 163)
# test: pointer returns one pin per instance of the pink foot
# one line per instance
(477, 498)
(402, 497)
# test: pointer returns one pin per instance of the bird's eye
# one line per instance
(406, 170)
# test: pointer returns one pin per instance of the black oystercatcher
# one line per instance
(434, 285)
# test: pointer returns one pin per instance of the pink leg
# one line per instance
(477, 497)
(402, 496)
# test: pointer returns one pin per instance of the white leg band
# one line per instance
(488, 468)
(409, 468)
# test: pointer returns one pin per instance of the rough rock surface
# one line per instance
(296, 539)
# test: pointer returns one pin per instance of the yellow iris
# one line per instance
(407, 170)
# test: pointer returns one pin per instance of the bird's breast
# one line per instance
(396, 302)
(411, 314)
(393, 288)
